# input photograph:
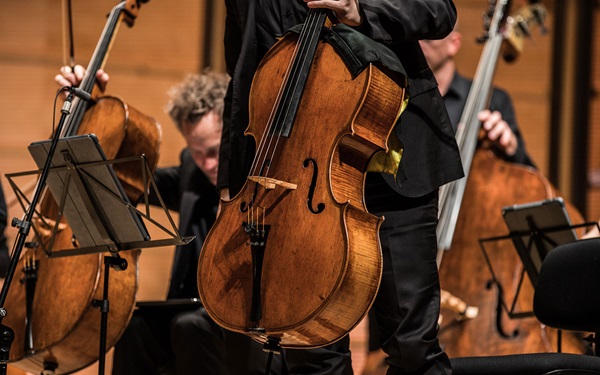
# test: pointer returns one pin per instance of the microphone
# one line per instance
(81, 94)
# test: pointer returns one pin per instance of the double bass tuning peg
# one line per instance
(539, 13)
(536, 16)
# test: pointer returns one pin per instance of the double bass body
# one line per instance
(464, 271)
(304, 230)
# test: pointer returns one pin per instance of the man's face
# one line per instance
(438, 52)
(203, 139)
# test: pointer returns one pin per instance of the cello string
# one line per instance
(274, 116)
(277, 117)
(292, 82)
(315, 20)
(260, 166)
(254, 169)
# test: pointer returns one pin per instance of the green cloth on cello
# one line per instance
(358, 51)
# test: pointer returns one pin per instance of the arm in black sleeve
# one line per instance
(393, 21)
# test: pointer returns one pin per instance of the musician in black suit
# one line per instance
(407, 305)
(499, 123)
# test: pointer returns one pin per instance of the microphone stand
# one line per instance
(24, 226)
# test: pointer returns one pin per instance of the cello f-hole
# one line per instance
(313, 183)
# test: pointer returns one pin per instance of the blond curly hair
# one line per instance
(195, 96)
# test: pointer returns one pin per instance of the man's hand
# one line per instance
(498, 131)
(72, 77)
(346, 11)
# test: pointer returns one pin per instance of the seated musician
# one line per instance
(499, 122)
(177, 340)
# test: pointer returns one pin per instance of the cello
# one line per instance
(491, 185)
(294, 259)
(51, 308)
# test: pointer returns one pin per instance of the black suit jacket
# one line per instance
(186, 190)
(430, 157)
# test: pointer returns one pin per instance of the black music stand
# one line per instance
(535, 229)
(93, 201)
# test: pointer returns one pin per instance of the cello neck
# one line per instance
(124, 11)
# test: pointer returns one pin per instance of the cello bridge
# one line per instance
(270, 183)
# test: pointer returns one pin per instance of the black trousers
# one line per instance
(162, 342)
(407, 304)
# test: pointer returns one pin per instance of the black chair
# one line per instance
(567, 297)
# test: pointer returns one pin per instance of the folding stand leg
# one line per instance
(272, 347)
(7, 336)
(119, 264)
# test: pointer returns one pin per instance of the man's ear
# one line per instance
(454, 43)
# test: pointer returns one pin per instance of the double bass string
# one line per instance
(451, 195)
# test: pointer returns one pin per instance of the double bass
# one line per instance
(294, 258)
(49, 304)
(471, 209)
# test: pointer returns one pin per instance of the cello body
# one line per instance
(317, 262)
(64, 326)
